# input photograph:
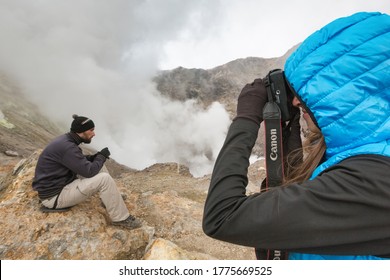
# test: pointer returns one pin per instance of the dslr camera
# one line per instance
(280, 92)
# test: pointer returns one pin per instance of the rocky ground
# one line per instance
(166, 197)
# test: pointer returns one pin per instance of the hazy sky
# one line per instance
(261, 28)
(96, 58)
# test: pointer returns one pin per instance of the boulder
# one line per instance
(168, 200)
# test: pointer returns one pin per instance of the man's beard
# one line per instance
(86, 141)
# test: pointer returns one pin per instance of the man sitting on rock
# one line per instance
(64, 176)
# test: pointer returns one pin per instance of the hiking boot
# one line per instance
(130, 223)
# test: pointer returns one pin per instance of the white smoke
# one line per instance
(97, 58)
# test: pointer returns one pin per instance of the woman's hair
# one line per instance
(301, 163)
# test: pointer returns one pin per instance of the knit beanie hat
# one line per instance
(81, 124)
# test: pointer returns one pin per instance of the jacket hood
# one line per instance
(342, 75)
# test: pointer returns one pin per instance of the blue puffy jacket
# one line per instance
(341, 73)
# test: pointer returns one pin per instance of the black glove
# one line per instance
(105, 152)
(251, 101)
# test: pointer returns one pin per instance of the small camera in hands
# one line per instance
(280, 92)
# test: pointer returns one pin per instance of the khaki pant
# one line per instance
(81, 189)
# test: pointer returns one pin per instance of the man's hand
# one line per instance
(105, 152)
(251, 101)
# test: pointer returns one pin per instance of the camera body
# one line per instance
(279, 90)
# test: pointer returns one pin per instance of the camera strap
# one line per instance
(273, 145)
(273, 161)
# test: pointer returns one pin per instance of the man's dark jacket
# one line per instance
(60, 163)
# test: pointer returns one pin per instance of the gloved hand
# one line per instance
(105, 152)
(251, 101)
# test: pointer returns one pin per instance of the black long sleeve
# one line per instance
(342, 211)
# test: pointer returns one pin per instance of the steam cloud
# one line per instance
(96, 58)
